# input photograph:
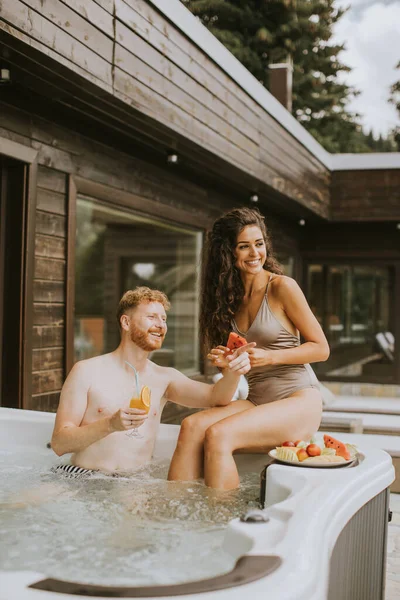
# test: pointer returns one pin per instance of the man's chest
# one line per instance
(106, 398)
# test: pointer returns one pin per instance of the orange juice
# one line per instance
(142, 403)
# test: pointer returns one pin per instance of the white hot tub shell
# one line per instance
(321, 535)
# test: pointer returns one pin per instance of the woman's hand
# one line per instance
(260, 358)
(218, 357)
(222, 357)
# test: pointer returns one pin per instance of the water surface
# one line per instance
(133, 530)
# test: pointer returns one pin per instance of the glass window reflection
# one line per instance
(118, 250)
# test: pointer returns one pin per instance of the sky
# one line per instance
(371, 33)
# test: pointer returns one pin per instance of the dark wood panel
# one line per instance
(49, 247)
(48, 358)
(49, 224)
(49, 179)
(366, 195)
(48, 291)
(366, 241)
(50, 201)
(50, 269)
(43, 314)
(48, 35)
(303, 192)
(47, 336)
(53, 157)
(44, 402)
(11, 119)
(47, 381)
(14, 137)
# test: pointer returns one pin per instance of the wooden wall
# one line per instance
(155, 191)
(49, 289)
(366, 195)
(133, 54)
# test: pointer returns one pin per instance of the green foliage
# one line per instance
(261, 32)
(395, 99)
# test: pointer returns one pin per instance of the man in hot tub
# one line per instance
(94, 421)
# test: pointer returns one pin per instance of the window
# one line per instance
(352, 304)
(118, 250)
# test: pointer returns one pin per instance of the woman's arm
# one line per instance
(315, 348)
(196, 394)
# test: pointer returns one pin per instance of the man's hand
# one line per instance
(127, 418)
(223, 358)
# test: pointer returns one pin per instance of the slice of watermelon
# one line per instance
(341, 450)
(235, 341)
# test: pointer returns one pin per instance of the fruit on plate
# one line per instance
(341, 450)
(302, 454)
(235, 341)
(328, 452)
(313, 450)
(285, 453)
(301, 444)
(289, 444)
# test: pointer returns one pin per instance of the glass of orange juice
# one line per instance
(142, 403)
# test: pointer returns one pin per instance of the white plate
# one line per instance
(272, 454)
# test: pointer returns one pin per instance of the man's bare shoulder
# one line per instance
(167, 374)
(89, 366)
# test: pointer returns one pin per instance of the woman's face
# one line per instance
(250, 251)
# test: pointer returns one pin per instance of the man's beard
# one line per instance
(141, 339)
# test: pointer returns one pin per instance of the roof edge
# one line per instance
(191, 26)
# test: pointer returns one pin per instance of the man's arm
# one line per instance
(195, 394)
(68, 434)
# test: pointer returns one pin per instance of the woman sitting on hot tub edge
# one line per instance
(244, 291)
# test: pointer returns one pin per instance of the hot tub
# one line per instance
(321, 534)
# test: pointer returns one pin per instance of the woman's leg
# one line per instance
(188, 458)
(258, 430)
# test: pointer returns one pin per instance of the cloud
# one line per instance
(371, 33)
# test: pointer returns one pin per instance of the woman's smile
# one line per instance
(250, 249)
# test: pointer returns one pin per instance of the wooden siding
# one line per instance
(130, 51)
(352, 241)
(151, 190)
(366, 195)
(49, 289)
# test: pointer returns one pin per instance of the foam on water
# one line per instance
(134, 530)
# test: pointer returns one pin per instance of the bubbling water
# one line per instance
(133, 530)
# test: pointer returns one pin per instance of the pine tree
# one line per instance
(395, 99)
(259, 32)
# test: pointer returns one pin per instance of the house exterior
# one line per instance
(126, 128)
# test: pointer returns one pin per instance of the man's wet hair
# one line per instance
(132, 299)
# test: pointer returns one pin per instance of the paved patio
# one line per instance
(393, 555)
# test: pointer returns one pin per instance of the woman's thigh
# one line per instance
(269, 425)
(203, 419)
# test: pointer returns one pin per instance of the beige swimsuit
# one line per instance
(275, 382)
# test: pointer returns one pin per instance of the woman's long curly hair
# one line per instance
(222, 287)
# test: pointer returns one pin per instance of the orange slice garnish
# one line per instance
(145, 396)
